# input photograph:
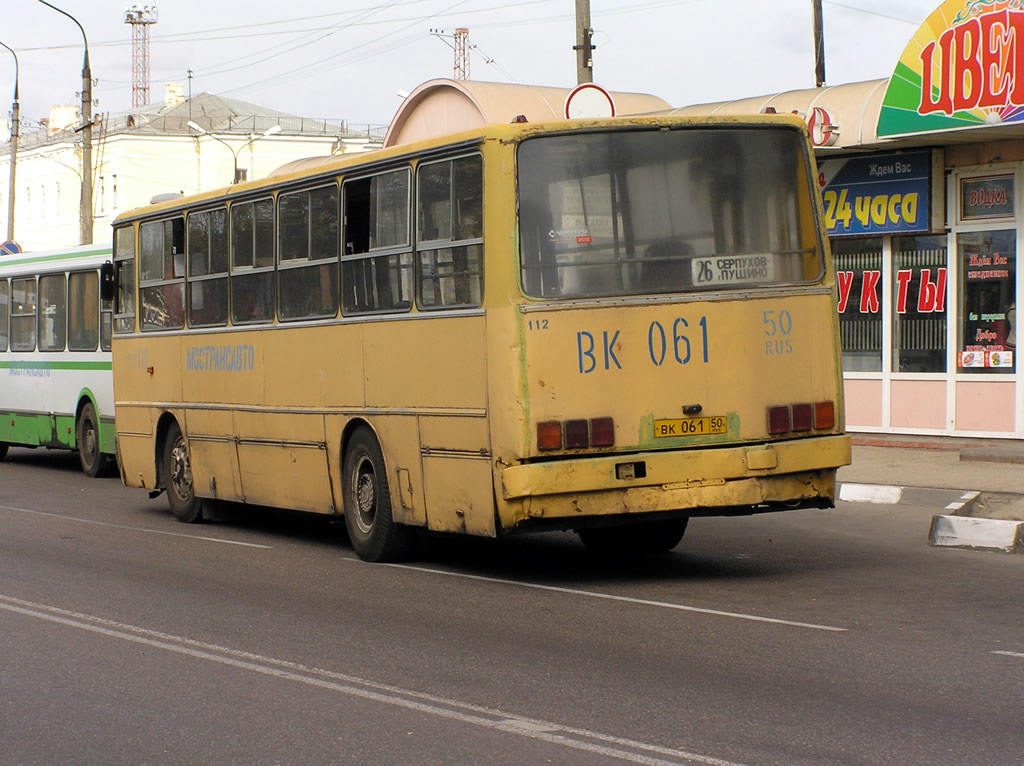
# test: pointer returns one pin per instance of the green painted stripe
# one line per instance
(55, 365)
(6, 261)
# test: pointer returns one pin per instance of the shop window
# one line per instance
(858, 262)
(919, 303)
(987, 335)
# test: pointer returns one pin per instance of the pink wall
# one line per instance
(863, 402)
(918, 404)
(985, 405)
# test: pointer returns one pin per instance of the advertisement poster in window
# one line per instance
(988, 339)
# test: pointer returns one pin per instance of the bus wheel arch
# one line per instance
(175, 471)
(374, 533)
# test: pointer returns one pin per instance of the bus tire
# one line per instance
(375, 535)
(637, 538)
(87, 439)
(177, 474)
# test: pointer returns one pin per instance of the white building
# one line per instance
(152, 150)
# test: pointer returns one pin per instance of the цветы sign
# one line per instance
(963, 68)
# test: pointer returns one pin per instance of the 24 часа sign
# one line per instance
(876, 194)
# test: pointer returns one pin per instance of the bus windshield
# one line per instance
(650, 211)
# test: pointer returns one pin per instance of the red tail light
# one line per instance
(602, 432)
(801, 418)
(577, 435)
(803, 415)
(778, 420)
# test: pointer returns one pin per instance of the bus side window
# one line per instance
(5, 312)
(207, 288)
(83, 311)
(162, 274)
(23, 314)
(450, 233)
(377, 263)
(307, 227)
(252, 262)
(124, 260)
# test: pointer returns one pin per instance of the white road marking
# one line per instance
(869, 493)
(1010, 654)
(534, 729)
(610, 597)
(133, 529)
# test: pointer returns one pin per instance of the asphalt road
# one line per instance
(810, 637)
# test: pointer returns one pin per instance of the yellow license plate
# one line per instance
(690, 426)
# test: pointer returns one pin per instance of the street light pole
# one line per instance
(253, 138)
(15, 132)
(85, 208)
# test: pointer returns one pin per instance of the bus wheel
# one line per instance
(177, 466)
(87, 437)
(374, 534)
(640, 538)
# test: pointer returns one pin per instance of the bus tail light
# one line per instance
(549, 435)
(800, 418)
(579, 433)
(576, 434)
(824, 415)
(602, 432)
(778, 420)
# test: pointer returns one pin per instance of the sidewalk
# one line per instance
(978, 485)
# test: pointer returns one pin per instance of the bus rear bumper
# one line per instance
(798, 473)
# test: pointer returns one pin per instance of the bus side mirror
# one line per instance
(108, 281)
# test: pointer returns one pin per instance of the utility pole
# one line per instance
(15, 132)
(583, 46)
(819, 46)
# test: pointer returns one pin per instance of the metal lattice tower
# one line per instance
(461, 54)
(141, 18)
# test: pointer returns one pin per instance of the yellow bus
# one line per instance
(605, 326)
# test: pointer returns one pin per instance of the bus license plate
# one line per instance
(690, 426)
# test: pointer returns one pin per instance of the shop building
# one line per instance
(922, 179)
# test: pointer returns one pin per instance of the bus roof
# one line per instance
(325, 167)
(49, 261)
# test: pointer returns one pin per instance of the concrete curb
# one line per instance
(977, 534)
(955, 529)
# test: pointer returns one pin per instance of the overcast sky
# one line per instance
(347, 59)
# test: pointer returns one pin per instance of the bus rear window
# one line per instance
(654, 211)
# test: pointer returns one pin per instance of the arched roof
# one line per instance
(853, 107)
(442, 106)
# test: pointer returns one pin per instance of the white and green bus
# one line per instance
(55, 377)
